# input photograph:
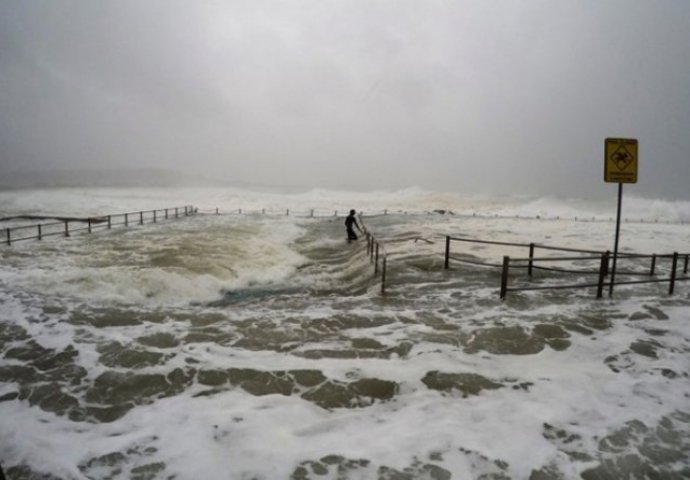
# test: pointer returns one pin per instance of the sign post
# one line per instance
(620, 166)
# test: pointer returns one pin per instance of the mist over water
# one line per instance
(258, 346)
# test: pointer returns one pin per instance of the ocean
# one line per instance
(251, 341)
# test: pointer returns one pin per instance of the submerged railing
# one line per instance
(529, 263)
(64, 226)
(377, 255)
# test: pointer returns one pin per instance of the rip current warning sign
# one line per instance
(620, 160)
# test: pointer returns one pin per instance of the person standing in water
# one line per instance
(351, 221)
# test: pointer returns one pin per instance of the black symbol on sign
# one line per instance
(622, 158)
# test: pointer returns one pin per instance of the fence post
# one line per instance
(603, 267)
(9, 240)
(126, 219)
(672, 282)
(66, 228)
(40, 234)
(376, 262)
(531, 256)
(383, 277)
(141, 218)
(109, 223)
(608, 256)
(446, 264)
(685, 266)
(504, 277)
(653, 267)
(89, 224)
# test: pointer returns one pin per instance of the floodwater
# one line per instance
(259, 346)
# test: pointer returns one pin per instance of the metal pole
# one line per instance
(685, 266)
(504, 277)
(175, 212)
(40, 235)
(376, 262)
(89, 224)
(383, 277)
(166, 213)
(141, 218)
(109, 224)
(602, 274)
(674, 264)
(531, 256)
(9, 240)
(653, 267)
(154, 216)
(447, 262)
(126, 219)
(615, 245)
(66, 228)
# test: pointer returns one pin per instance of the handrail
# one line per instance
(92, 222)
(375, 249)
(602, 272)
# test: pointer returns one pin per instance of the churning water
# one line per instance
(259, 347)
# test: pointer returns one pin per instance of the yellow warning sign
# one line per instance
(620, 160)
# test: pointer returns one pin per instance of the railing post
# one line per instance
(9, 239)
(109, 223)
(383, 277)
(531, 256)
(141, 218)
(40, 234)
(672, 282)
(608, 256)
(66, 228)
(504, 277)
(89, 224)
(446, 263)
(653, 267)
(603, 267)
(376, 261)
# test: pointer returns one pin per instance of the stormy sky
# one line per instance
(472, 96)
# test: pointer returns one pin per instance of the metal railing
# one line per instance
(65, 226)
(377, 255)
(603, 258)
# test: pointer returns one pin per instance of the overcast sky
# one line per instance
(454, 95)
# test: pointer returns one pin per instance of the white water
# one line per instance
(163, 279)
